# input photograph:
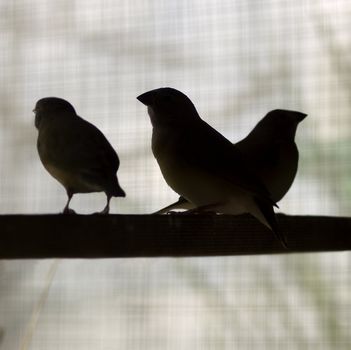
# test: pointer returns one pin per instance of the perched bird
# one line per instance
(75, 152)
(271, 152)
(200, 164)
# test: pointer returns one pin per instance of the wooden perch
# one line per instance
(116, 236)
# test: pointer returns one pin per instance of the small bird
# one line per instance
(271, 152)
(200, 164)
(75, 152)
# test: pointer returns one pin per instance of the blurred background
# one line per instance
(236, 60)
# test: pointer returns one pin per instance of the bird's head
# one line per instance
(51, 106)
(281, 122)
(168, 105)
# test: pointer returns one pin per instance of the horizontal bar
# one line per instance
(121, 236)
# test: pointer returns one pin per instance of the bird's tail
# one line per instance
(269, 216)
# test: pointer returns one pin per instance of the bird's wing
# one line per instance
(97, 157)
(278, 167)
(274, 161)
(203, 147)
(80, 147)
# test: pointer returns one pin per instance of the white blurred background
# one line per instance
(236, 60)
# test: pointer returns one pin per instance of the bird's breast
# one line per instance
(51, 151)
(64, 177)
(74, 181)
(188, 180)
(278, 176)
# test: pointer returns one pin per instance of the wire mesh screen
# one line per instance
(236, 60)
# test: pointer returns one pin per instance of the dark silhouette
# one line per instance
(202, 165)
(75, 152)
(271, 152)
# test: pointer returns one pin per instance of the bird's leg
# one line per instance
(66, 209)
(106, 210)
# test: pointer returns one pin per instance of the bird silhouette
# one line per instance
(270, 151)
(75, 152)
(200, 164)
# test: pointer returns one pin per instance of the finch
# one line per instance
(75, 152)
(270, 151)
(200, 164)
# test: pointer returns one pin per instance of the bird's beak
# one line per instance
(301, 116)
(147, 98)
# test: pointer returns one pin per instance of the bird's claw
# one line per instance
(103, 212)
(68, 211)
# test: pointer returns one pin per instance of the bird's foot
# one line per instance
(105, 211)
(68, 211)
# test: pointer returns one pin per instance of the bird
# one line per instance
(75, 152)
(271, 152)
(200, 164)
